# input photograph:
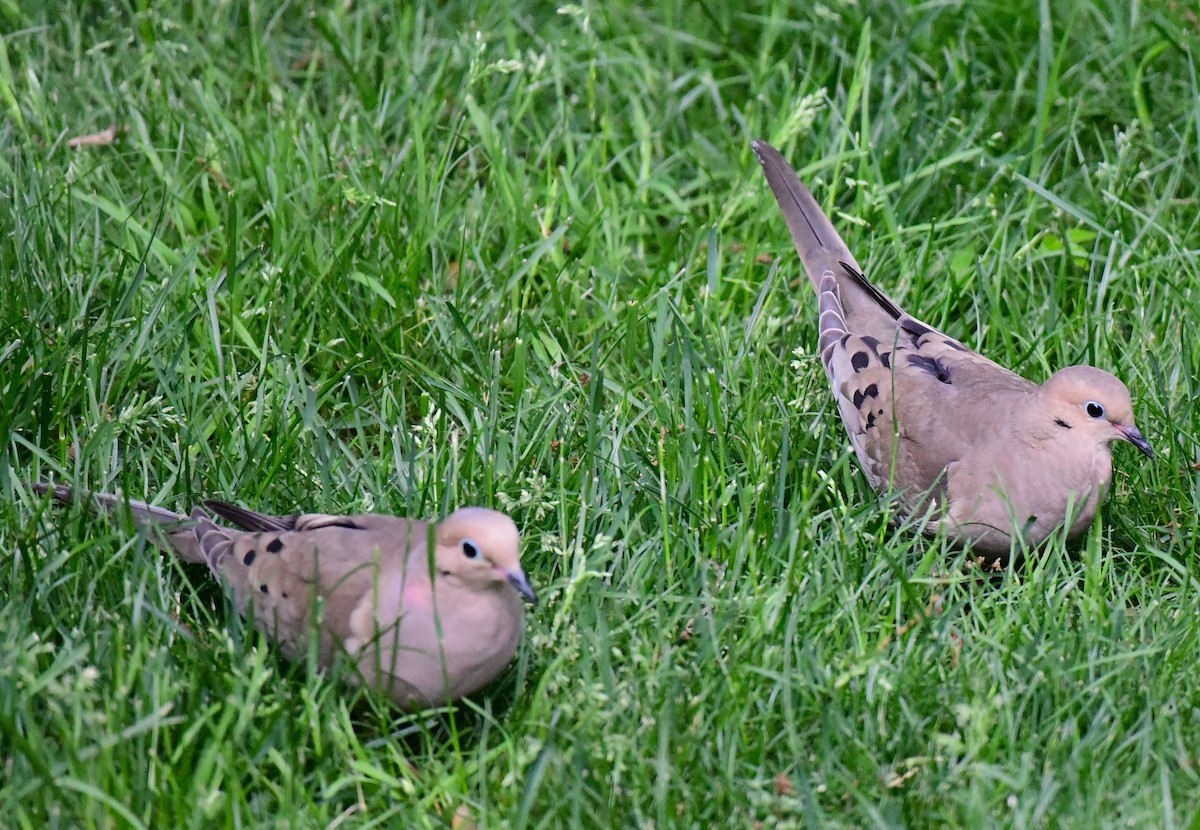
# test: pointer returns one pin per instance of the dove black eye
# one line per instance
(470, 549)
(1095, 409)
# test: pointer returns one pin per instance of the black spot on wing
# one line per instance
(248, 559)
(263, 588)
(872, 343)
(931, 365)
(859, 396)
(275, 545)
(860, 361)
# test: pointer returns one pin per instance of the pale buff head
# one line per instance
(1095, 402)
(481, 548)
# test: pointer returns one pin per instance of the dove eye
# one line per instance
(1094, 409)
(470, 549)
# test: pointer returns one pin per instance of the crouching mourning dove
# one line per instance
(991, 458)
(423, 626)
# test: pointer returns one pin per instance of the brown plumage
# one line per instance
(973, 447)
(425, 626)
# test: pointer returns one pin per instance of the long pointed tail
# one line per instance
(849, 303)
(820, 246)
(173, 528)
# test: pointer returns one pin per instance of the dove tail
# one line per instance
(820, 247)
(175, 528)
(250, 519)
(848, 302)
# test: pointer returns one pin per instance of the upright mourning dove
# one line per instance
(975, 449)
(424, 627)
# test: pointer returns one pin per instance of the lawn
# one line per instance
(406, 257)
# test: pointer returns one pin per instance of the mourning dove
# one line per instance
(423, 628)
(980, 452)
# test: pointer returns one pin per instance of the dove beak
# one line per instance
(516, 578)
(1134, 436)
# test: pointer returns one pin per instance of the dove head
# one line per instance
(1097, 402)
(481, 547)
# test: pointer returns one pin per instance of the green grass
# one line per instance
(406, 257)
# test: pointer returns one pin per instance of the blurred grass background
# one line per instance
(405, 257)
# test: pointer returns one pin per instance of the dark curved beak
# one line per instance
(1134, 436)
(516, 578)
